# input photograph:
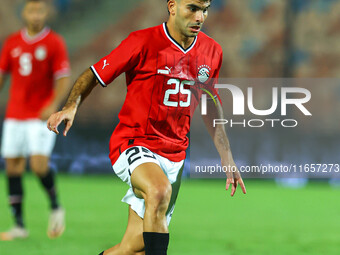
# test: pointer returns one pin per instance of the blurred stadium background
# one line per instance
(260, 39)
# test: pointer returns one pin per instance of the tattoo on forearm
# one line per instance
(82, 87)
(221, 138)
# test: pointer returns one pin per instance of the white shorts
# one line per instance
(137, 155)
(22, 138)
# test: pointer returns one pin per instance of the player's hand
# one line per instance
(233, 175)
(67, 115)
(47, 111)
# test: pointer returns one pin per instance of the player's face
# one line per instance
(190, 16)
(35, 15)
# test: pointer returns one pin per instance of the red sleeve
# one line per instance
(215, 77)
(61, 63)
(217, 72)
(5, 64)
(120, 60)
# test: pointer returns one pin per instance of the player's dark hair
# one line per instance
(202, 0)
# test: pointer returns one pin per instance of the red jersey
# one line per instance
(34, 64)
(161, 78)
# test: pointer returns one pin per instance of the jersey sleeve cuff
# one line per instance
(97, 76)
(62, 74)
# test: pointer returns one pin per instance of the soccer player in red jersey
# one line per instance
(36, 59)
(163, 66)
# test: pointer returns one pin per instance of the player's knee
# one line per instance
(39, 169)
(158, 196)
(15, 167)
(12, 172)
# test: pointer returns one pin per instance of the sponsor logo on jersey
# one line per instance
(16, 52)
(203, 73)
(166, 70)
(105, 64)
(40, 53)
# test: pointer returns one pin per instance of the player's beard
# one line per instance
(191, 33)
(35, 27)
(186, 30)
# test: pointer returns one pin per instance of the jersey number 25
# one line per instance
(179, 88)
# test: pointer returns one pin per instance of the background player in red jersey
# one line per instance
(147, 148)
(37, 60)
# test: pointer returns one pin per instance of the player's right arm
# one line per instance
(81, 89)
(120, 60)
(5, 63)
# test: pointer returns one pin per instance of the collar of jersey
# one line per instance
(33, 39)
(176, 43)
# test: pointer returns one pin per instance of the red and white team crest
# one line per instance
(40, 53)
(16, 52)
(203, 73)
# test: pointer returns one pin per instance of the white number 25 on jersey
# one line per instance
(179, 88)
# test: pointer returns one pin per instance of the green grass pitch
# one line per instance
(207, 221)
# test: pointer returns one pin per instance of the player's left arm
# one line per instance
(221, 141)
(61, 89)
